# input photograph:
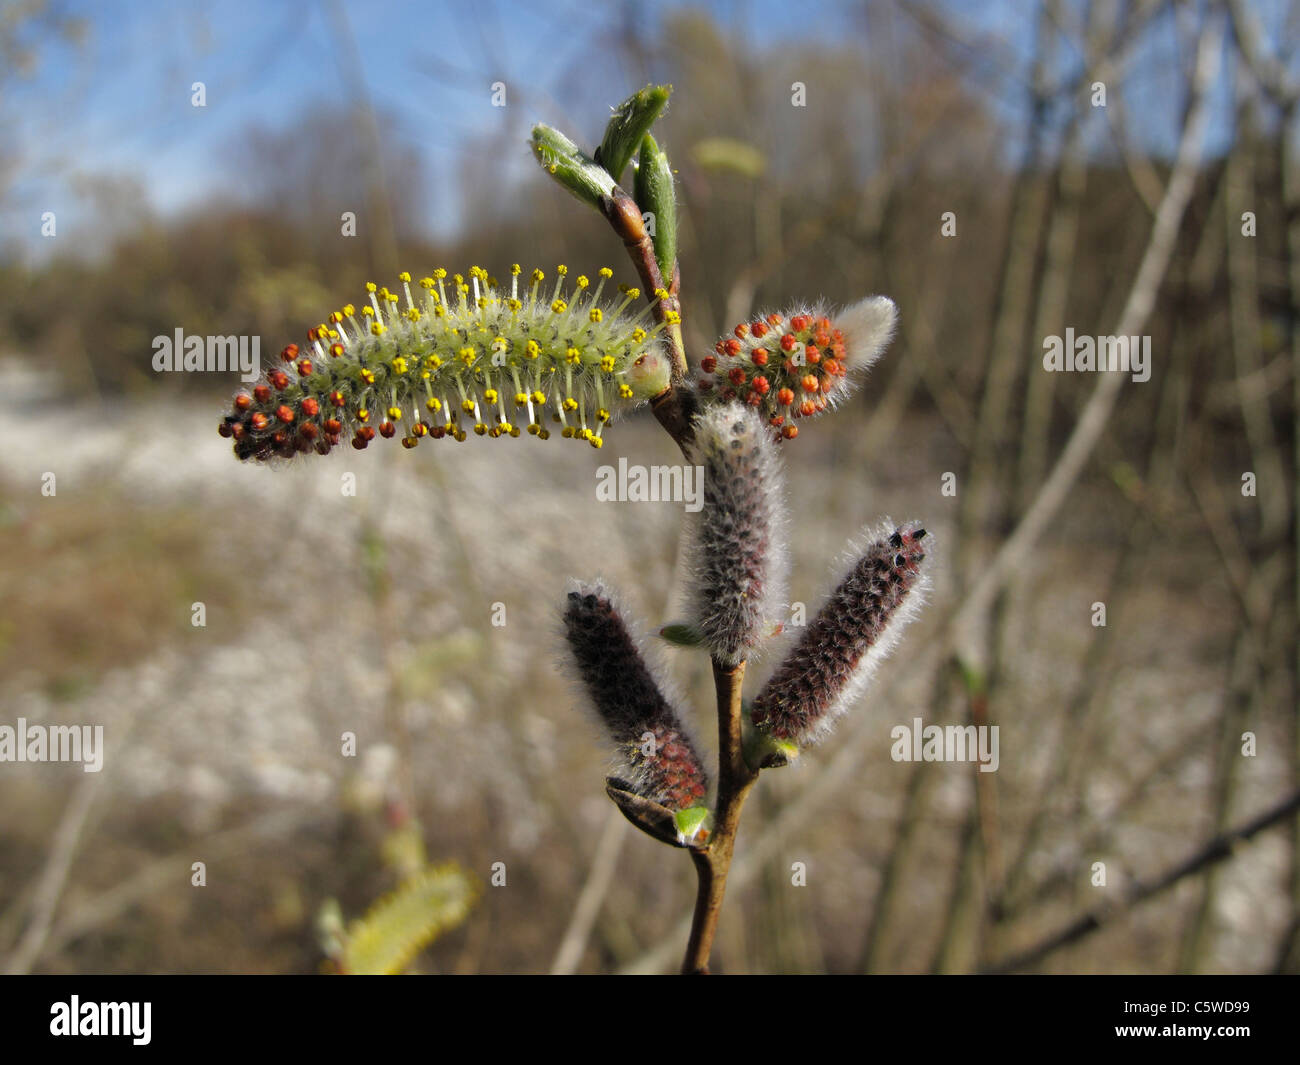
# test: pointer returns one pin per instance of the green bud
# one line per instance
(571, 166)
(654, 193)
(680, 634)
(693, 824)
(762, 750)
(629, 123)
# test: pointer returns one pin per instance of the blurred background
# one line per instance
(1003, 170)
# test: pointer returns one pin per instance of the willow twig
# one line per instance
(735, 778)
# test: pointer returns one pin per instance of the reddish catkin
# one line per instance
(799, 363)
(736, 545)
(630, 703)
(828, 668)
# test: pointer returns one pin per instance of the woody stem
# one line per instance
(675, 406)
(735, 778)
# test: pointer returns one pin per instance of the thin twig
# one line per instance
(162, 873)
(599, 878)
(735, 778)
(675, 406)
(1216, 850)
(1137, 309)
(49, 889)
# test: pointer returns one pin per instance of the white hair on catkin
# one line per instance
(879, 590)
(623, 685)
(736, 555)
(868, 327)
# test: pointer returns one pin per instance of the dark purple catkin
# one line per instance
(833, 660)
(737, 559)
(630, 704)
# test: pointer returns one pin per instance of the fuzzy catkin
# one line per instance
(630, 703)
(736, 554)
(834, 658)
(533, 353)
(799, 363)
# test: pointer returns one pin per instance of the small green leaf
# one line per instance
(762, 750)
(629, 123)
(654, 193)
(692, 824)
(571, 166)
(680, 634)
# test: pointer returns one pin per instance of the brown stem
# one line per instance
(675, 406)
(735, 778)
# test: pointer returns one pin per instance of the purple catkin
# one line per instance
(736, 553)
(629, 703)
(837, 653)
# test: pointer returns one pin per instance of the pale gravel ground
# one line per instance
(262, 715)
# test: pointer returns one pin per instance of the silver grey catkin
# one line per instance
(736, 550)
(828, 668)
(656, 755)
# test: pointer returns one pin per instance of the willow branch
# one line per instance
(675, 406)
(735, 778)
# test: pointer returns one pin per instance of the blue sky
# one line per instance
(120, 105)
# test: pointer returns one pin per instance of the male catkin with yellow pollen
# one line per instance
(462, 353)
